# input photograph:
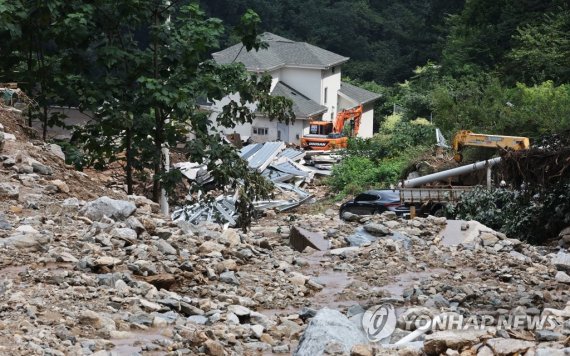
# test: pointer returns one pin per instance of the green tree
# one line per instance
(30, 54)
(385, 39)
(145, 68)
(541, 50)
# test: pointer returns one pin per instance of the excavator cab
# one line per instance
(320, 128)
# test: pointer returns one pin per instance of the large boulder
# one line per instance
(564, 238)
(329, 327)
(440, 341)
(562, 261)
(26, 238)
(10, 191)
(300, 239)
(376, 229)
(111, 208)
(509, 346)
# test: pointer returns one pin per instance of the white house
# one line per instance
(308, 75)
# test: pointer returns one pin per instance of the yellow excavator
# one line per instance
(467, 138)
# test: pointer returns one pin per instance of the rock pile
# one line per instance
(92, 274)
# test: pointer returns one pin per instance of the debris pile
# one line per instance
(542, 165)
(278, 164)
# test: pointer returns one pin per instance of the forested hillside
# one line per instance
(385, 39)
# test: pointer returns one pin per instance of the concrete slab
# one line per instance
(300, 238)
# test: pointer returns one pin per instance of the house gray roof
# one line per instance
(361, 96)
(280, 52)
(302, 106)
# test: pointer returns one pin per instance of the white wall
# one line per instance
(298, 128)
(331, 81)
(344, 103)
(305, 81)
(295, 129)
(367, 121)
(276, 77)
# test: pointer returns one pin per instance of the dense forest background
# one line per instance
(385, 39)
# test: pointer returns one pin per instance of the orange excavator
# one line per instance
(323, 136)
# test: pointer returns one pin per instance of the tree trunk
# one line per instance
(159, 124)
(45, 122)
(129, 167)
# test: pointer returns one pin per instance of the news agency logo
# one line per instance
(379, 322)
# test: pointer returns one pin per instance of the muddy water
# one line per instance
(406, 280)
(321, 269)
(12, 272)
(136, 340)
(334, 282)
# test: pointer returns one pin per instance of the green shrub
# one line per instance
(378, 162)
(488, 206)
(353, 174)
(73, 154)
(531, 215)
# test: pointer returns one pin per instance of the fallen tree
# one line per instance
(544, 165)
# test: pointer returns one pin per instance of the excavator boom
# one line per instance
(467, 138)
(346, 115)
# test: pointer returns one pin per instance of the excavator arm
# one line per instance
(467, 138)
(345, 115)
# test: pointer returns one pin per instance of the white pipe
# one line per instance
(410, 183)
(412, 336)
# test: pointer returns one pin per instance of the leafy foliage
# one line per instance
(141, 68)
(379, 161)
(532, 215)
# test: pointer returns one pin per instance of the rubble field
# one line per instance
(85, 270)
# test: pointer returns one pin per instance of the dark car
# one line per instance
(375, 202)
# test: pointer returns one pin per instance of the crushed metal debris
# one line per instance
(284, 167)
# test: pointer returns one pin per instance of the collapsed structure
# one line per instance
(284, 167)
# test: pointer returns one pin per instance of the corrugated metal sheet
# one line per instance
(287, 167)
(263, 157)
(221, 210)
(292, 154)
(277, 176)
(250, 150)
(292, 188)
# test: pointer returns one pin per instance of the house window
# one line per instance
(333, 70)
(260, 130)
(326, 92)
(278, 135)
(332, 116)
